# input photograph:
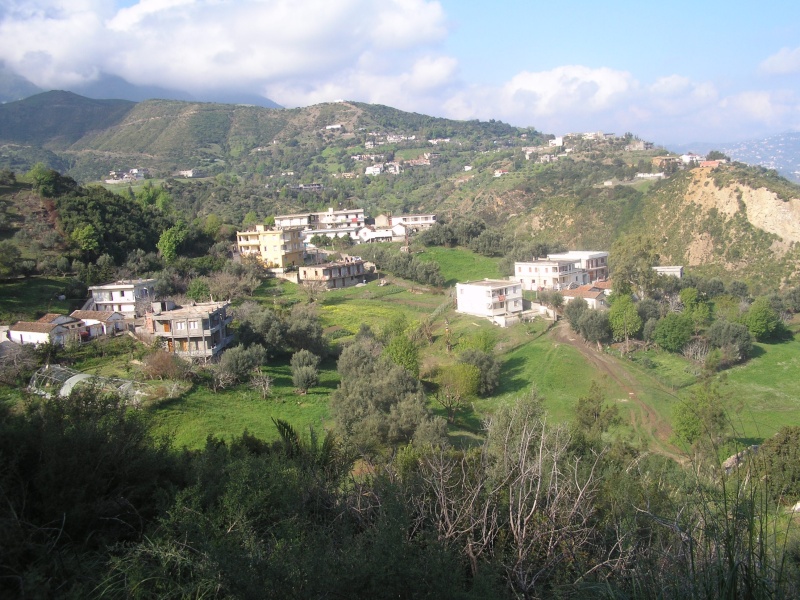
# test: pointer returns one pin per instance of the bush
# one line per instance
(304, 377)
(238, 362)
(488, 369)
(724, 333)
(672, 332)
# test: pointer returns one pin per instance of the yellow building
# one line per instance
(276, 248)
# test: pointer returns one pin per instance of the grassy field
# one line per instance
(198, 413)
(764, 393)
(459, 264)
(28, 299)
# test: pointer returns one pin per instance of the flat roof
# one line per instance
(491, 283)
(122, 283)
(578, 254)
(201, 309)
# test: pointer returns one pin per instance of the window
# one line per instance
(193, 324)
(180, 326)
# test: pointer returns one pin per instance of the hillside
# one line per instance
(735, 221)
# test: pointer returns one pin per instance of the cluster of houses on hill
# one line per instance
(197, 332)
(575, 274)
(283, 246)
(130, 176)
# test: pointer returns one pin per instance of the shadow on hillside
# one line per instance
(509, 380)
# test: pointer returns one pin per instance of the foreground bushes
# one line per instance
(94, 506)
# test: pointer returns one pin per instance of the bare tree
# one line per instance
(261, 382)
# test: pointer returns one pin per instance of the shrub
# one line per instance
(673, 331)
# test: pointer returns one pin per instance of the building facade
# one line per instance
(495, 299)
(334, 275)
(593, 262)
(277, 248)
(198, 332)
(125, 296)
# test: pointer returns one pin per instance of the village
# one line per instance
(200, 331)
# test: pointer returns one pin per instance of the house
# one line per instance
(595, 297)
(100, 322)
(51, 328)
(495, 299)
(691, 158)
(27, 332)
(197, 332)
(374, 170)
(190, 173)
(277, 248)
(547, 273)
(395, 233)
(556, 142)
(593, 262)
(129, 297)
(345, 273)
(672, 271)
(322, 220)
(500, 172)
(415, 222)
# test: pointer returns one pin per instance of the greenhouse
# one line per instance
(57, 381)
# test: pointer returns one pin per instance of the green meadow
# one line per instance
(762, 395)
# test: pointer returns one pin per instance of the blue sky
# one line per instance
(672, 72)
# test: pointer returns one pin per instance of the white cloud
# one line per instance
(212, 44)
(783, 62)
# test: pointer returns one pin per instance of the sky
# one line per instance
(670, 72)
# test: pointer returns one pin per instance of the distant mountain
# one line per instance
(14, 87)
(56, 120)
(111, 87)
(780, 152)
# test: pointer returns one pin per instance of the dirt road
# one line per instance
(643, 416)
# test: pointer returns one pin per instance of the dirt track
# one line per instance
(644, 418)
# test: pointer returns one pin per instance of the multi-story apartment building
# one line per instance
(129, 297)
(410, 221)
(277, 248)
(547, 274)
(329, 219)
(593, 262)
(496, 299)
(198, 332)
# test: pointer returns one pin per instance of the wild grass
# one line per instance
(192, 417)
(30, 298)
(460, 264)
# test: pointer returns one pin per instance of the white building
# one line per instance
(595, 297)
(545, 274)
(496, 299)
(594, 262)
(670, 270)
(99, 323)
(329, 219)
(122, 296)
(421, 221)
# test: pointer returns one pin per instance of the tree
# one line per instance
(304, 378)
(488, 369)
(631, 263)
(456, 384)
(624, 319)
(238, 362)
(9, 258)
(594, 327)
(701, 421)
(724, 333)
(574, 310)
(673, 332)
(761, 319)
(402, 351)
(198, 290)
(779, 459)
(170, 241)
(378, 402)
(592, 416)
(304, 370)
